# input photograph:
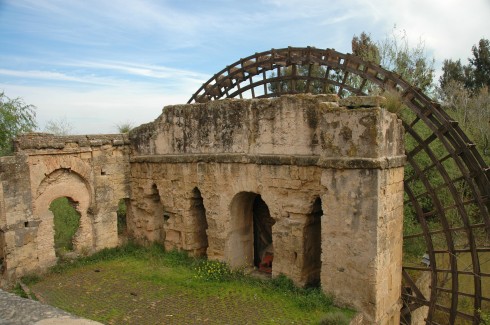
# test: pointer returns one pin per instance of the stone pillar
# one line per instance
(362, 219)
(362, 241)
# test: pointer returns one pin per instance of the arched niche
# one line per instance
(250, 238)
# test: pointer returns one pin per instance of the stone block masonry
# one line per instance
(313, 183)
(90, 170)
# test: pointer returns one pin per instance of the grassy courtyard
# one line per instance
(135, 285)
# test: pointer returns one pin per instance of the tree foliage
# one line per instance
(411, 63)
(481, 64)
(15, 117)
(475, 75)
(365, 48)
(464, 93)
(394, 53)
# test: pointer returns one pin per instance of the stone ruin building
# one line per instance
(306, 186)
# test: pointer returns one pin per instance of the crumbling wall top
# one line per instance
(314, 126)
(37, 143)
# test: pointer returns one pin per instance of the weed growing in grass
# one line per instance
(283, 283)
(175, 257)
(305, 298)
(213, 271)
(19, 291)
(31, 279)
(128, 250)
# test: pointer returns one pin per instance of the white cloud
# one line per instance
(53, 76)
(99, 63)
(137, 69)
(97, 110)
(449, 27)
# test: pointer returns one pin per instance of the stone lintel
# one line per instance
(337, 163)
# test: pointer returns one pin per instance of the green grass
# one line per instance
(66, 223)
(132, 284)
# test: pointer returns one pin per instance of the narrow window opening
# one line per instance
(198, 213)
(157, 216)
(313, 245)
(122, 224)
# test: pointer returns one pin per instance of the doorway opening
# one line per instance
(66, 220)
(250, 242)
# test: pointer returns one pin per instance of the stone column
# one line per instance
(363, 214)
(362, 241)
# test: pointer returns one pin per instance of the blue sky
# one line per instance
(101, 63)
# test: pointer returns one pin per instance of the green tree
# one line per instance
(394, 53)
(411, 63)
(481, 64)
(475, 75)
(472, 110)
(365, 48)
(464, 93)
(15, 117)
(455, 71)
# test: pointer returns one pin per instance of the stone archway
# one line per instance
(62, 183)
(250, 236)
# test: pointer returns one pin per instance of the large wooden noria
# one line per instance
(313, 183)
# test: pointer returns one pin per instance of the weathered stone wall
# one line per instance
(314, 181)
(17, 227)
(90, 170)
(292, 151)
